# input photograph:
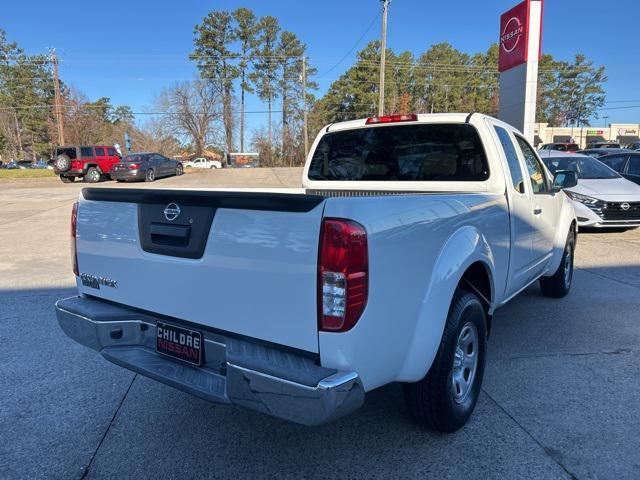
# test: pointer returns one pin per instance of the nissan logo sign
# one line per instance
(510, 37)
(171, 212)
(625, 206)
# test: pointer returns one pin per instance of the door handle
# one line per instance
(537, 211)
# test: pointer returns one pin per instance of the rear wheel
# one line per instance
(558, 285)
(67, 179)
(92, 175)
(150, 175)
(446, 397)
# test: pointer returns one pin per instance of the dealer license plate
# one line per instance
(180, 343)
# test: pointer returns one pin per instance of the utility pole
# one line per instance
(57, 97)
(383, 55)
(304, 107)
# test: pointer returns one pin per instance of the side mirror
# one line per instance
(564, 179)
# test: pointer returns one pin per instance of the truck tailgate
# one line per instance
(239, 262)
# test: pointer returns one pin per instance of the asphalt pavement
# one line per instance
(560, 396)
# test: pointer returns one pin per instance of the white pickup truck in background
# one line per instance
(411, 230)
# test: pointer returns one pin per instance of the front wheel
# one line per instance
(446, 397)
(150, 176)
(179, 170)
(558, 285)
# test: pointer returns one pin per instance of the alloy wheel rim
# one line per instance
(465, 363)
(150, 175)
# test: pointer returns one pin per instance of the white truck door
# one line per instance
(545, 206)
(521, 213)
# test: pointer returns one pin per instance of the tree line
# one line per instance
(444, 79)
(238, 54)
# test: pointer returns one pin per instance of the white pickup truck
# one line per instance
(410, 231)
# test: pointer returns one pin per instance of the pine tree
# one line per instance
(265, 74)
(246, 33)
(214, 38)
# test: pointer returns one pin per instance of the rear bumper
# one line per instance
(78, 172)
(127, 175)
(280, 383)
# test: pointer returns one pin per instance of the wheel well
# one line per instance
(477, 279)
(89, 165)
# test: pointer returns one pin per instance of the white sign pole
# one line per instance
(519, 85)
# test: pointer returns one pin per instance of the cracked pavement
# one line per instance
(559, 399)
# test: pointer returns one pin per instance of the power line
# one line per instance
(353, 47)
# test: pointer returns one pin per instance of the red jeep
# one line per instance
(89, 162)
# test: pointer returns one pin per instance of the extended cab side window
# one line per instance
(86, 151)
(99, 151)
(512, 159)
(536, 172)
(112, 152)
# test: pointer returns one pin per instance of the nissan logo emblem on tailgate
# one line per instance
(625, 206)
(171, 212)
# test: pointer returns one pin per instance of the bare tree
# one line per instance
(193, 110)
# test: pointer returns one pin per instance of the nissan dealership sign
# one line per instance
(514, 44)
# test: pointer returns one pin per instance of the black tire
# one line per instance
(67, 179)
(93, 175)
(559, 284)
(150, 176)
(179, 170)
(62, 163)
(436, 401)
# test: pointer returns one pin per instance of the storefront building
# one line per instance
(622, 133)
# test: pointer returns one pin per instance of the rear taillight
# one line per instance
(343, 274)
(412, 117)
(74, 248)
(134, 166)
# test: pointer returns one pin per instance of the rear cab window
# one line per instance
(99, 151)
(417, 152)
(71, 152)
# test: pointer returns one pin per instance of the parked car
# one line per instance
(626, 164)
(600, 152)
(594, 145)
(145, 166)
(91, 163)
(25, 164)
(202, 162)
(561, 147)
(602, 198)
(634, 146)
(325, 295)
(12, 165)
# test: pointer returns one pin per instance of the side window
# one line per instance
(86, 151)
(512, 159)
(99, 151)
(615, 162)
(536, 172)
(111, 152)
(634, 166)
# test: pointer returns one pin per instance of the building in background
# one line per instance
(622, 133)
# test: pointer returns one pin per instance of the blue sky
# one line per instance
(129, 50)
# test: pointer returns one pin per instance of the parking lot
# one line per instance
(560, 396)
